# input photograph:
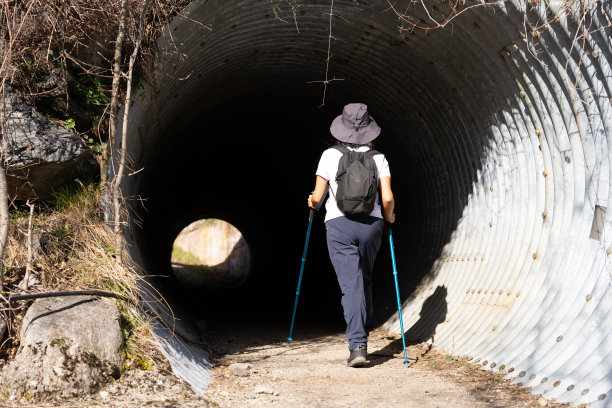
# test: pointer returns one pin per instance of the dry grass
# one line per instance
(74, 250)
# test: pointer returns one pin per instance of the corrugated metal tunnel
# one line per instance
(497, 128)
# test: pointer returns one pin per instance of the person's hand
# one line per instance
(391, 219)
(310, 202)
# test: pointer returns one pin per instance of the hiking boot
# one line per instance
(357, 358)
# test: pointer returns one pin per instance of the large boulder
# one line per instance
(39, 154)
(69, 346)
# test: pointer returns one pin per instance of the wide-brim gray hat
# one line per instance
(355, 125)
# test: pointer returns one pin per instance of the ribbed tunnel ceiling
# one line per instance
(498, 142)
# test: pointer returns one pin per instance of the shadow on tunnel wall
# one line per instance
(433, 312)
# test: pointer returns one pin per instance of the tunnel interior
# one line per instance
(252, 162)
(246, 140)
(496, 129)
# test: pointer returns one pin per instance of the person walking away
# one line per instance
(354, 226)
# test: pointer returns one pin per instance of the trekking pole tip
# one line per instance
(289, 339)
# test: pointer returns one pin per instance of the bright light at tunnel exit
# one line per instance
(210, 254)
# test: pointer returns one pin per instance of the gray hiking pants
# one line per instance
(353, 245)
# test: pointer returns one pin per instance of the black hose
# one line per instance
(66, 293)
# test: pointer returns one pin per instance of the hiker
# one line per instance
(354, 236)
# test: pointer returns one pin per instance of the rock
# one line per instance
(40, 155)
(69, 346)
(33, 281)
(52, 98)
(261, 389)
(240, 369)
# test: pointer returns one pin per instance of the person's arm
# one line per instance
(317, 195)
(388, 202)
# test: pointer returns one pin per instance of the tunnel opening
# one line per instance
(243, 139)
(210, 254)
(497, 140)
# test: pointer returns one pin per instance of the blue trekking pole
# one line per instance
(297, 292)
(399, 304)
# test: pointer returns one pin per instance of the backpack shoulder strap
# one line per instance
(342, 149)
(373, 152)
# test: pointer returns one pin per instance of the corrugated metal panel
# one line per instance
(510, 137)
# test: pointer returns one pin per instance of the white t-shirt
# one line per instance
(328, 167)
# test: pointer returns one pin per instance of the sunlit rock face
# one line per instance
(210, 254)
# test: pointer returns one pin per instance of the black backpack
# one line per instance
(356, 178)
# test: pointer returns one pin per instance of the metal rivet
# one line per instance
(544, 380)
(522, 374)
(602, 397)
(522, 93)
(588, 297)
(571, 387)
(515, 47)
(585, 391)
(557, 383)
(533, 376)
(559, 339)
(595, 54)
(493, 365)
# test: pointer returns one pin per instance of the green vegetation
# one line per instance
(70, 194)
(70, 124)
(184, 257)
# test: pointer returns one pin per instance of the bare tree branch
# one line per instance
(124, 130)
(114, 103)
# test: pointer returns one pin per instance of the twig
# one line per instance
(26, 279)
(326, 81)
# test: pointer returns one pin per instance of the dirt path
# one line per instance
(262, 370)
